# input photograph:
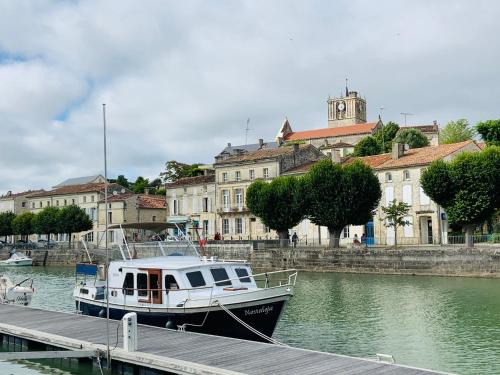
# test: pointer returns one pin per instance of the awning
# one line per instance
(154, 226)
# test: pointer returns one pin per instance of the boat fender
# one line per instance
(170, 325)
(102, 313)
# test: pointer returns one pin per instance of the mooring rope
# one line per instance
(249, 327)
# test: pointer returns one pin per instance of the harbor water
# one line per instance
(440, 323)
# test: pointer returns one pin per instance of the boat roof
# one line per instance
(171, 262)
(154, 226)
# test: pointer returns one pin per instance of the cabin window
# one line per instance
(220, 274)
(142, 284)
(243, 275)
(128, 284)
(171, 282)
(196, 279)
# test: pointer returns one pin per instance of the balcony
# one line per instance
(232, 209)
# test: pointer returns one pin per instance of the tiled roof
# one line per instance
(337, 145)
(413, 157)
(24, 193)
(481, 145)
(188, 181)
(262, 154)
(76, 189)
(79, 181)
(301, 169)
(152, 201)
(234, 150)
(332, 132)
(423, 128)
(143, 200)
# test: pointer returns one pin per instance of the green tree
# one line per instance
(412, 137)
(72, 219)
(385, 135)
(123, 181)
(394, 216)
(337, 195)
(456, 131)
(23, 224)
(367, 146)
(279, 204)
(6, 219)
(490, 132)
(175, 170)
(46, 221)
(467, 187)
(140, 185)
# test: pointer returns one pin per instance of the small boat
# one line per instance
(186, 291)
(15, 293)
(17, 260)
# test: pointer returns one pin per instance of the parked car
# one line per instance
(23, 244)
(44, 244)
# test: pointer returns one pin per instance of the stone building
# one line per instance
(16, 203)
(86, 196)
(191, 204)
(399, 175)
(130, 208)
(234, 174)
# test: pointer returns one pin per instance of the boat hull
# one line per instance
(17, 263)
(263, 316)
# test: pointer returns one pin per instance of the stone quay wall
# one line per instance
(436, 260)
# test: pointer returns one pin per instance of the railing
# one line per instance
(476, 239)
(232, 208)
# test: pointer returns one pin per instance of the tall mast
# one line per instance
(106, 267)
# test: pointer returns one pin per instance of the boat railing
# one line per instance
(266, 278)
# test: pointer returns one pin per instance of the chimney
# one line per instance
(228, 144)
(261, 143)
(398, 149)
(336, 156)
(146, 191)
(295, 147)
(435, 122)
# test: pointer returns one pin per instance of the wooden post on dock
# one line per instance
(46, 255)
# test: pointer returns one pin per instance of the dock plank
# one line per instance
(212, 354)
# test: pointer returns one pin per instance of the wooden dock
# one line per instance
(183, 352)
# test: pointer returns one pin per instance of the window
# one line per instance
(65, 202)
(424, 199)
(243, 275)
(48, 203)
(224, 177)
(406, 175)
(176, 207)
(265, 172)
(388, 177)
(389, 195)
(408, 229)
(84, 199)
(32, 204)
(225, 226)
(40, 204)
(92, 198)
(195, 279)
(237, 176)
(57, 203)
(251, 174)
(128, 284)
(239, 225)
(345, 232)
(239, 198)
(110, 217)
(154, 285)
(142, 284)
(267, 229)
(73, 201)
(154, 218)
(225, 198)
(205, 227)
(23, 204)
(220, 274)
(205, 204)
(407, 194)
(171, 282)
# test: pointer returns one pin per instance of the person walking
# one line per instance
(295, 238)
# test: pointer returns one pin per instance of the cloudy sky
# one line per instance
(181, 78)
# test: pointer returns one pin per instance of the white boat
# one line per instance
(17, 260)
(15, 293)
(186, 291)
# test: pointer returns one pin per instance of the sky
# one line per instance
(180, 79)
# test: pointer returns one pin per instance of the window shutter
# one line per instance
(243, 226)
(424, 199)
(408, 229)
(389, 195)
(407, 198)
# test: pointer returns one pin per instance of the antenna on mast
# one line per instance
(246, 131)
(406, 114)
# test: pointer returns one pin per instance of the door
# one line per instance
(154, 285)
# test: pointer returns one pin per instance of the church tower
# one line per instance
(346, 110)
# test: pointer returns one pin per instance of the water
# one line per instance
(447, 324)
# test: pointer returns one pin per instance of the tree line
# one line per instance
(50, 220)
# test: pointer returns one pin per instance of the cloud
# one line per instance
(180, 79)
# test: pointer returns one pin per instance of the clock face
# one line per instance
(341, 106)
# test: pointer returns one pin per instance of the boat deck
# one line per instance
(183, 352)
